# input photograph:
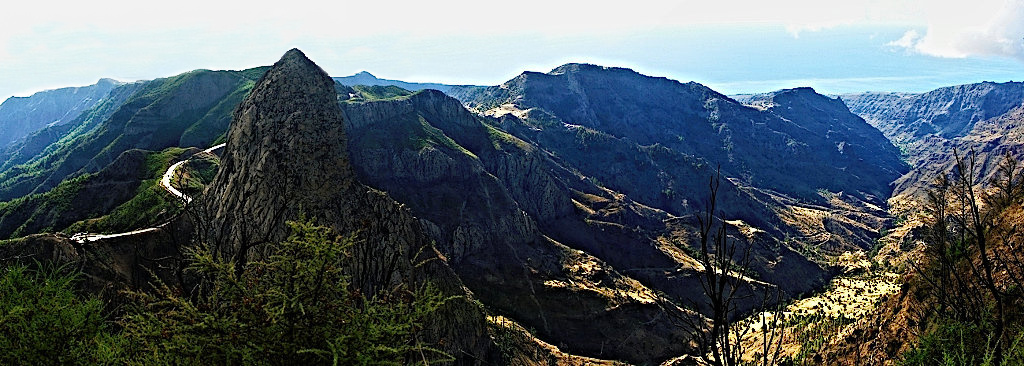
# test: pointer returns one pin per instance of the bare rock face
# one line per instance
(287, 156)
(285, 149)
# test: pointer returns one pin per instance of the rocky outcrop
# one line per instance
(108, 265)
(287, 155)
(20, 116)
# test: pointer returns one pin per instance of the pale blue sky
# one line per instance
(732, 46)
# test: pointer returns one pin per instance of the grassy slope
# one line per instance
(190, 109)
(108, 201)
(150, 205)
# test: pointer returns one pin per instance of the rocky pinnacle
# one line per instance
(287, 156)
(286, 150)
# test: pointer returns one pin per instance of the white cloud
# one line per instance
(908, 41)
(976, 28)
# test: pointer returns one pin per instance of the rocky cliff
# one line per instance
(503, 214)
(762, 148)
(564, 202)
(945, 112)
(798, 164)
(286, 156)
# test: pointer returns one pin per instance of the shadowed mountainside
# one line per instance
(928, 126)
(190, 109)
(20, 116)
(565, 203)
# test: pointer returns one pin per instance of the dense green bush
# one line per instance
(951, 343)
(295, 307)
(292, 307)
(43, 321)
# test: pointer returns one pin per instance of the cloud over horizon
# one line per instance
(982, 28)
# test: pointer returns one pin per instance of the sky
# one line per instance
(745, 46)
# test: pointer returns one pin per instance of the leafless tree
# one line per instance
(967, 248)
(772, 318)
(719, 340)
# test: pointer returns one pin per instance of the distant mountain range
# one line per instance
(20, 116)
(366, 78)
(985, 117)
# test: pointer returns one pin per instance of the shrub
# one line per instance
(43, 321)
(294, 307)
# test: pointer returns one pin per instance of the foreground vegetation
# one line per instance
(295, 306)
(970, 280)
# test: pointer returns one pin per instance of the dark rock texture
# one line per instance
(287, 155)
(500, 211)
(563, 201)
(798, 165)
(762, 148)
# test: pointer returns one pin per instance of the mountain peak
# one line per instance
(797, 90)
(574, 67)
(288, 134)
(365, 74)
(295, 53)
(294, 61)
(287, 156)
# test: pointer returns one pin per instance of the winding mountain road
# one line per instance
(165, 183)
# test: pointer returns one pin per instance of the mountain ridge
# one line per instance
(563, 202)
(21, 116)
(368, 79)
(927, 126)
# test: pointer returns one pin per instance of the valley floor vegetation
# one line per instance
(966, 284)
